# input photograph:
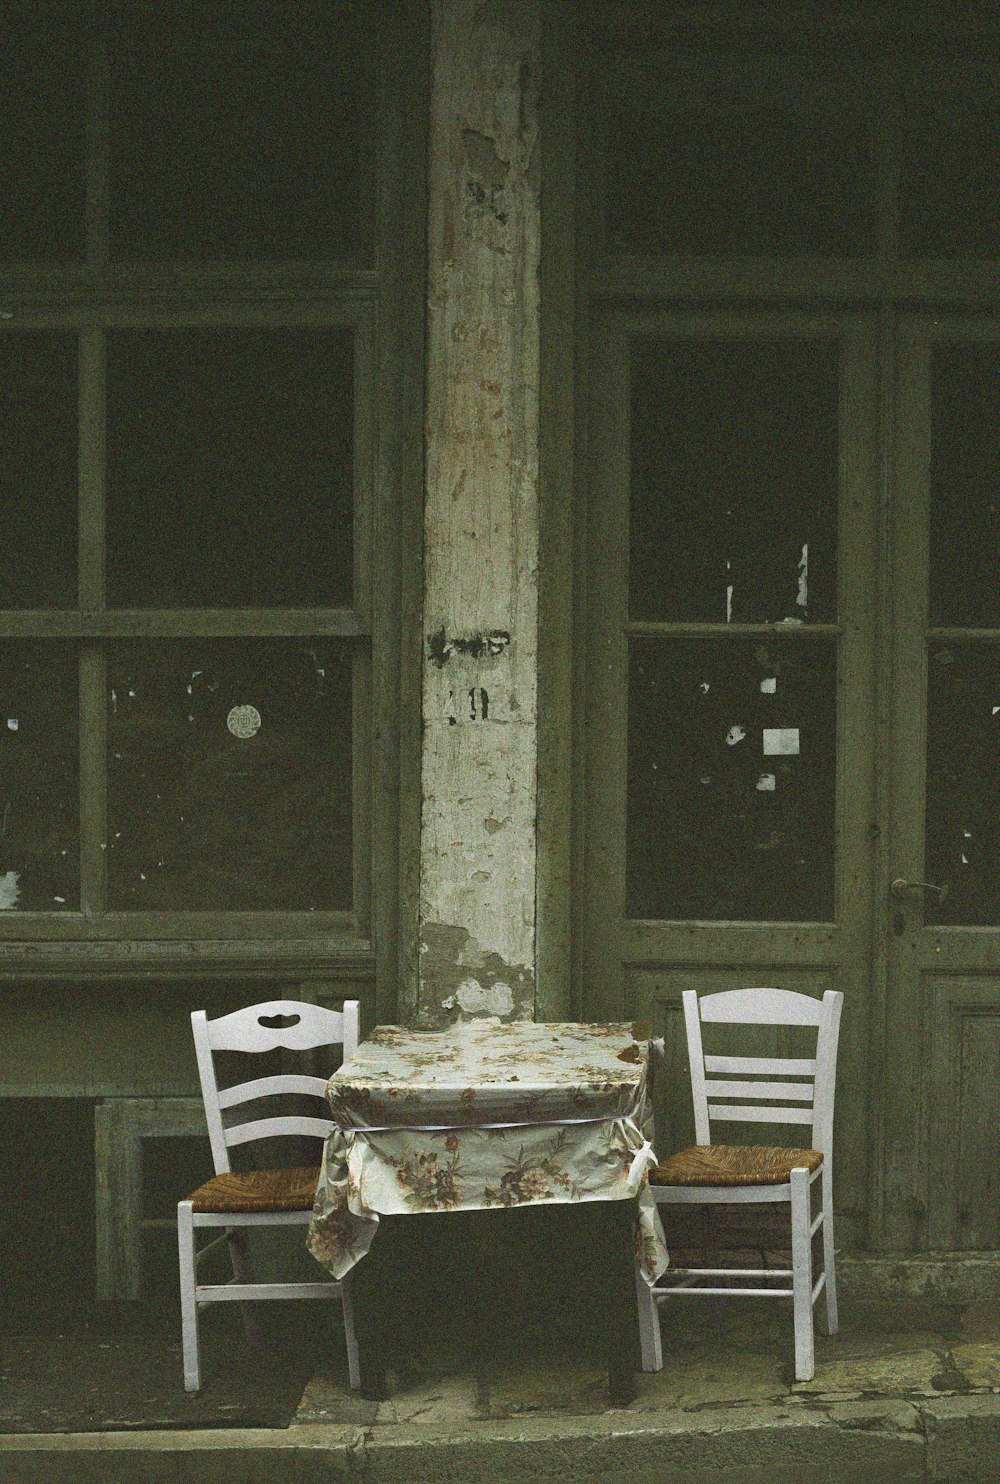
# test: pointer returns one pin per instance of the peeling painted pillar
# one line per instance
(479, 759)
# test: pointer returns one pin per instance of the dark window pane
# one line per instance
(949, 182)
(714, 153)
(733, 489)
(965, 486)
(229, 775)
(963, 783)
(230, 459)
(39, 778)
(241, 130)
(731, 779)
(42, 130)
(38, 474)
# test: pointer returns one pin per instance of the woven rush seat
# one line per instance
(733, 1164)
(258, 1190)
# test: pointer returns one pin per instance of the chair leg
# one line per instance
(829, 1255)
(189, 1301)
(347, 1302)
(236, 1242)
(805, 1364)
(650, 1341)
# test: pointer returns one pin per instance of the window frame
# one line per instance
(97, 295)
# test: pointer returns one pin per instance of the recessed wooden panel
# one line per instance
(962, 1114)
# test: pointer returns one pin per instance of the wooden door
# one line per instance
(940, 1122)
(730, 812)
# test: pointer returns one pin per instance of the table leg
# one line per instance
(368, 1329)
(620, 1317)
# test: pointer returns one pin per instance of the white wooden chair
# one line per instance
(708, 1173)
(278, 1197)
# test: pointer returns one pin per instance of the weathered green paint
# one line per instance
(940, 1132)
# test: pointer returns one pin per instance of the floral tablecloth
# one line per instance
(488, 1113)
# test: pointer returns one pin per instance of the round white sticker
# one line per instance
(244, 721)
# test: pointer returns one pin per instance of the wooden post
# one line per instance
(479, 754)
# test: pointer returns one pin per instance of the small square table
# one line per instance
(490, 1114)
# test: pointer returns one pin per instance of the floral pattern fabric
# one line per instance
(487, 1114)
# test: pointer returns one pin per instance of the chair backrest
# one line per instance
(291, 1024)
(758, 1089)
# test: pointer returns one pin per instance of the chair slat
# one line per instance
(760, 1007)
(795, 1092)
(267, 1128)
(735, 1113)
(241, 1030)
(262, 1087)
(763, 1066)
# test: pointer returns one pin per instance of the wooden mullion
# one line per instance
(863, 280)
(361, 788)
(179, 927)
(887, 140)
(641, 630)
(93, 780)
(93, 445)
(364, 460)
(965, 636)
(269, 277)
(93, 677)
(169, 623)
(276, 956)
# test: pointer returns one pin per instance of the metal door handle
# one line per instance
(901, 888)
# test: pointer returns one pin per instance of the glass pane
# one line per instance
(731, 779)
(965, 486)
(241, 131)
(42, 129)
(962, 846)
(229, 775)
(949, 179)
(38, 473)
(733, 488)
(39, 778)
(230, 468)
(710, 153)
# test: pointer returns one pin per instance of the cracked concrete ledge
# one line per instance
(946, 1440)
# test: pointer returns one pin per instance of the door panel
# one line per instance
(942, 1129)
(730, 814)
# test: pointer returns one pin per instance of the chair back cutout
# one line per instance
(291, 1024)
(759, 1089)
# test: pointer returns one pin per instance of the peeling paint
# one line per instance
(9, 890)
(465, 976)
(474, 999)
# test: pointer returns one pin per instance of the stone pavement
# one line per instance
(909, 1391)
